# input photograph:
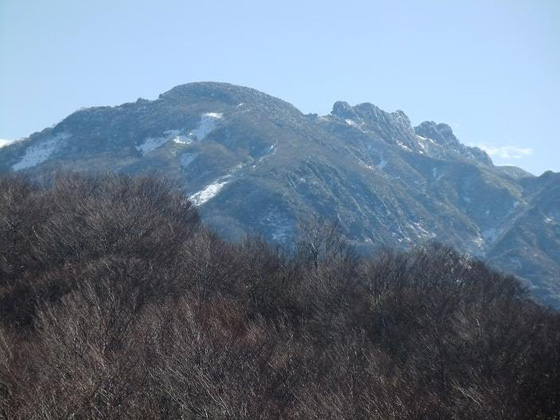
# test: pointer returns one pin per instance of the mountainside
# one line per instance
(253, 163)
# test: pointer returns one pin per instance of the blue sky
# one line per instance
(490, 69)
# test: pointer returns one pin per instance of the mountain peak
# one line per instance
(228, 94)
(441, 133)
(342, 109)
(207, 90)
(393, 127)
(396, 128)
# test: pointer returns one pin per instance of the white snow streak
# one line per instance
(479, 241)
(207, 125)
(180, 139)
(40, 152)
(151, 144)
(207, 193)
(403, 146)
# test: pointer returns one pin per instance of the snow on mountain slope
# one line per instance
(209, 192)
(207, 124)
(254, 163)
(151, 143)
(39, 152)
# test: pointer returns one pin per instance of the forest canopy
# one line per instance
(117, 302)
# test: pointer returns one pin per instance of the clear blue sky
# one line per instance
(490, 69)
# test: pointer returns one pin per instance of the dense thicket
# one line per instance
(116, 303)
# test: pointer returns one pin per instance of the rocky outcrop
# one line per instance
(255, 164)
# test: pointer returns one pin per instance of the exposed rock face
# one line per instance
(440, 133)
(392, 127)
(255, 164)
(443, 135)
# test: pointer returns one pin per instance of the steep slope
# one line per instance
(254, 163)
(528, 242)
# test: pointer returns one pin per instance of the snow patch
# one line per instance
(152, 143)
(403, 146)
(208, 193)
(217, 115)
(421, 143)
(180, 139)
(479, 241)
(355, 124)
(207, 125)
(423, 139)
(40, 152)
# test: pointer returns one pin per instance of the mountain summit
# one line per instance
(253, 163)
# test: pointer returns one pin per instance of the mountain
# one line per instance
(253, 163)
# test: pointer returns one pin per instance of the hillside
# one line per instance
(253, 163)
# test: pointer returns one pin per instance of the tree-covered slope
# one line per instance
(116, 302)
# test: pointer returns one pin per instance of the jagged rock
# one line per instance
(442, 134)
(255, 164)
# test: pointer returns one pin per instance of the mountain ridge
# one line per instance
(254, 163)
